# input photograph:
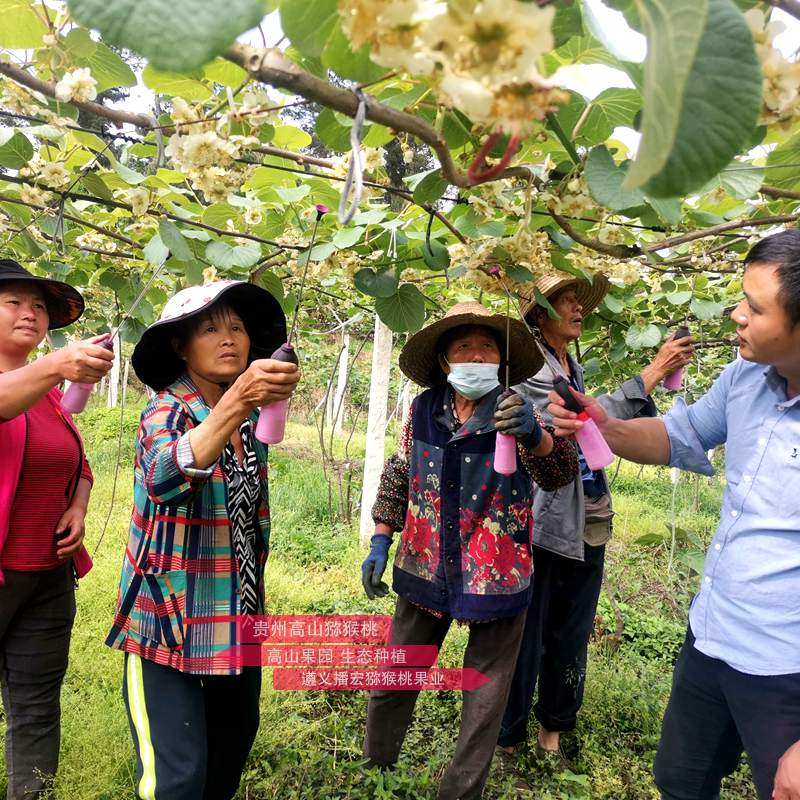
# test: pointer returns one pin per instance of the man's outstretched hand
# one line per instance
(566, 422)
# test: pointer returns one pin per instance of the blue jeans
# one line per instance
(715, 713)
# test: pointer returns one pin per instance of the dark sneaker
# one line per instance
(506, 765)
(555, 759)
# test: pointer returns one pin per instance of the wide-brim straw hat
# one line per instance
(419, 358)
(590, 295)
(158, 365)
(64, 303)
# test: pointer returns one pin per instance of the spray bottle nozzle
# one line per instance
(561, 386)
(681, 332)
(286, 353)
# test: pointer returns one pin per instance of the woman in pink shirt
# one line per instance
(45, 483)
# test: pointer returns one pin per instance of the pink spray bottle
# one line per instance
(505, 447)
(271, 425)
(593, 446)
(77, 395)
(505, 453)
(674, 381)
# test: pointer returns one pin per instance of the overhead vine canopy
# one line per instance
(442, 131)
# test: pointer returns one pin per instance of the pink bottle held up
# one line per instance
(505, 448)
(674, 381)
(505, 454)
(593, 446)
(271, 425)
(77, 395)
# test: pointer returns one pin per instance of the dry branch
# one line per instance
(271, 66)
(614, 250)
(152, 213)
(715, 230)
(774, 191)
(99, 228)
(115, 115)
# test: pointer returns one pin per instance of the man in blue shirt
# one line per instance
(736, 685)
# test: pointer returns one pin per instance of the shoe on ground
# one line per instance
(506, 766)
(555, 759)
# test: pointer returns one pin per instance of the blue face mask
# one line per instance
(473, 380)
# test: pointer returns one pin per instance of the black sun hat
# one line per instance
(64, 304)
(154, 359)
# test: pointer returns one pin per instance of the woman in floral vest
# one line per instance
(465, 543)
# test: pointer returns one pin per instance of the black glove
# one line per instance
(514, 415)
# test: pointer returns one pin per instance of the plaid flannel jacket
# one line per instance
(178, 597)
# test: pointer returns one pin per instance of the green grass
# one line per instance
(309, 744)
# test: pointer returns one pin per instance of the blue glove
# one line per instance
(374, 566)
(514, 415)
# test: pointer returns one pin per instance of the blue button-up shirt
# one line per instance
(747, 612)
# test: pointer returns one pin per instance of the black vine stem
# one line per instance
(320, 211)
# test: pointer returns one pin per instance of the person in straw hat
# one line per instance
(464, 550)
(569, 540)
(199, 538)
(45, 483)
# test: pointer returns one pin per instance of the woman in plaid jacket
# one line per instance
(199, 537)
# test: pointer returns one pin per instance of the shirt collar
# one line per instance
(573, 364)
(184, 389)
(778, 385)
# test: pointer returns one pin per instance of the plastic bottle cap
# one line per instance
(682, 332)
(286, 353)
